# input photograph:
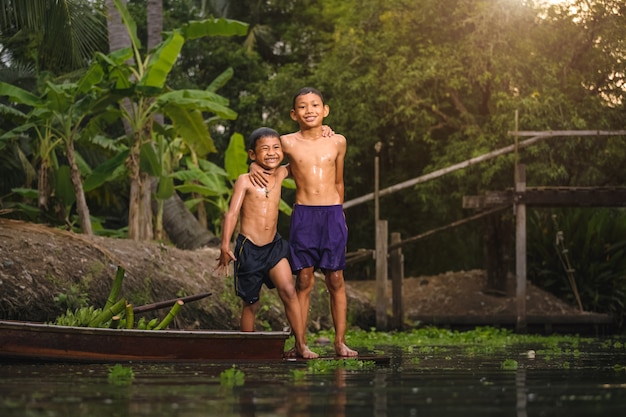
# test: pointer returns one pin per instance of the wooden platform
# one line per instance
(377, 359)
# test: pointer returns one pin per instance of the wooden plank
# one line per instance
(520, 251)
(381, 274)
(573, 197)
(550, 133)
(377, 359)
(551, 197)
(397, 275)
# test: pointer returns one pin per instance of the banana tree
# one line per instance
(58, 116)
(142, 80)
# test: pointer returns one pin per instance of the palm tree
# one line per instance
(53, 35)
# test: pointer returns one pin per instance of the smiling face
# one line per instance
(309, 110)
(267, 152)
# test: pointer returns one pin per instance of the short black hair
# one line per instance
(259, 133)
(306, 90)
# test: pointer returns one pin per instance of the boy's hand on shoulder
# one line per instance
(327, 131)
(257, 175)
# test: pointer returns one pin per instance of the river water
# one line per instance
(438, 382)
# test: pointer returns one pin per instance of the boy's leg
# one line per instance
(305, 281)
(283, 281)
(248, 315)
(339, 309)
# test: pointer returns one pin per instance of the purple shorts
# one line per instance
(318, 237)
(253, 265)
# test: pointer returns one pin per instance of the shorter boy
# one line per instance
(260, 255)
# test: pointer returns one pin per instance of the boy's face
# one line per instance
(309, 110)
(268, 152)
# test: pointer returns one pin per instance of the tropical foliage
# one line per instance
(436, 82)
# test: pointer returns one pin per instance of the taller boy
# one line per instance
(318, 233)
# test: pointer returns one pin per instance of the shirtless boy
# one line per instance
(318, 234)
(260, 255)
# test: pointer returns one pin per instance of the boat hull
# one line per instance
(42, 342)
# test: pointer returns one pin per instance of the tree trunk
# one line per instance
(179, 223)
(183, 228)
(81, 203)
(118, 36)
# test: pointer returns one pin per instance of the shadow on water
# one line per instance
(430, 382)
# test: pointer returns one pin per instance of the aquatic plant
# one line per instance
(509, 364)
(121, 375)
(232, 377)
(325, 366)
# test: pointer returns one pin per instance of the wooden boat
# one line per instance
(21, 340)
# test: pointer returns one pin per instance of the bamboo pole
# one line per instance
(108, 313)
(115, 288)
(170, 316)
(130, 316)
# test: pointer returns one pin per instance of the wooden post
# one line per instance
(397, 275)
(520, 248)
(381, 275)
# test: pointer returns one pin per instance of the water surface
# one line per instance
(430, 382)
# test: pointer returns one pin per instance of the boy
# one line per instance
(261, 254)
(318, 234)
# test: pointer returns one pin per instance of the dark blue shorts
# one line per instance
(253, 264)
(318, 237)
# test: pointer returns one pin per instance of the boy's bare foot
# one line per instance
(342, 350)
(291, 353)
(307, 353)
(303, 352)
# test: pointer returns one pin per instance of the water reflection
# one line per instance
(434, 384)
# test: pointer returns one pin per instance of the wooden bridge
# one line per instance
(518, 197)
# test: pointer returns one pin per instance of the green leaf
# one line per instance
(57, 98)
(166, 188)
(93, 76)
(191, 127)
(149, 161)
(18, 95)
(221, 80)
(200, 189)
(285, 208)
(236, 157)
(26, 192)
(214, 27)
(195, 177)
(289, 183)
(211, 168)
(63, 188)
(195, 96)
(162, 61)
(105, 171)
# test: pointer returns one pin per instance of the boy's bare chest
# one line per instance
(312, 153)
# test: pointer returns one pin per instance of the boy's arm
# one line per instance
(230, 221)
(258, 176)
(339, 165)
(286, 170)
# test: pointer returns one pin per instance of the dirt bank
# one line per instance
(38, 264)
